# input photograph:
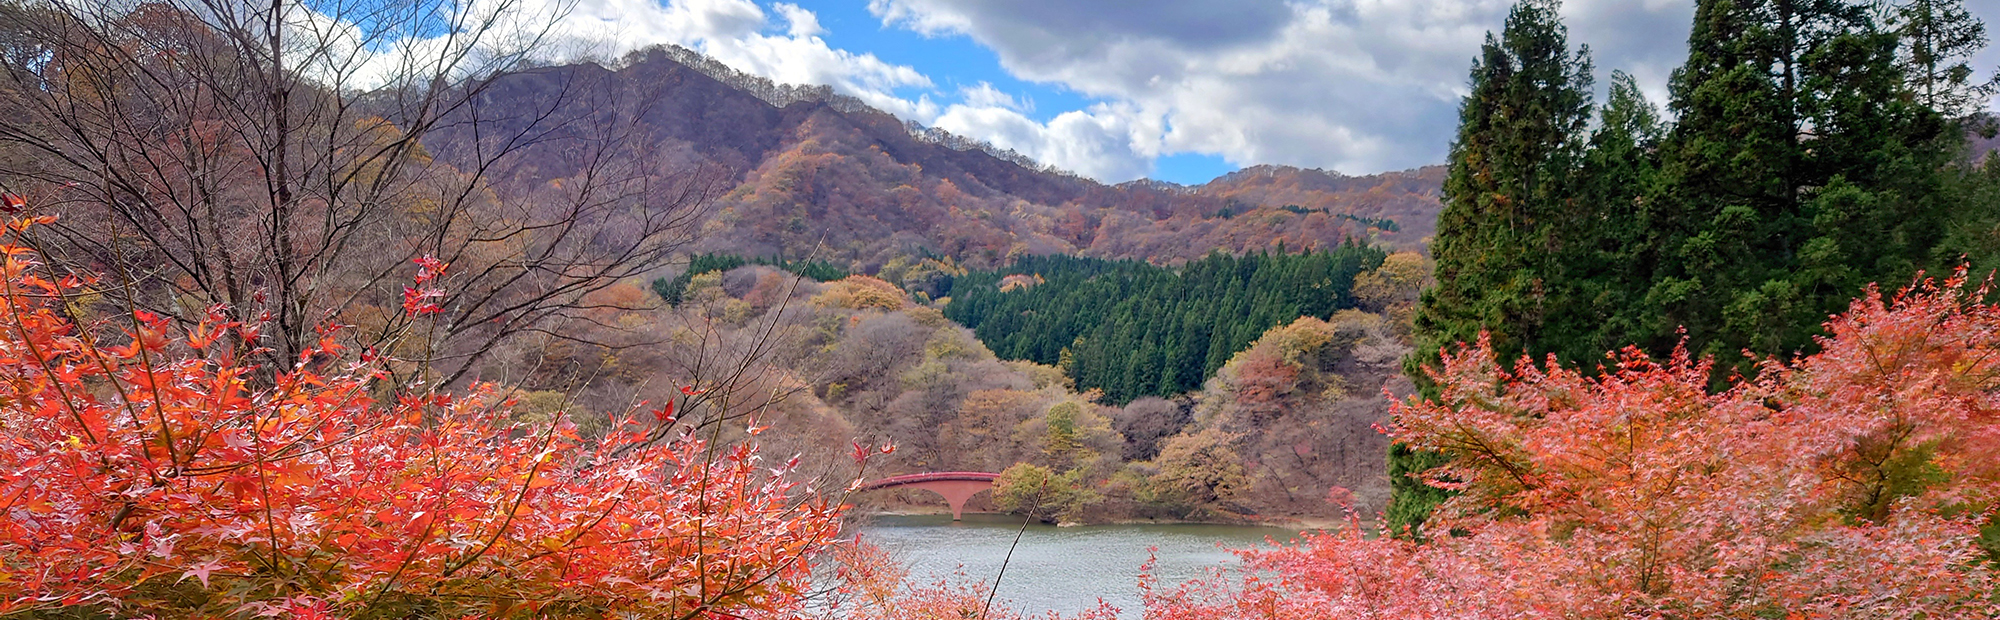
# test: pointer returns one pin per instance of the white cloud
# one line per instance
(803, 22)
(1106, 141)
(336, 51)
(737, 33)
(1355, 85)
(984, 95)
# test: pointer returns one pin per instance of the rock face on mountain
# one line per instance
(799, 171)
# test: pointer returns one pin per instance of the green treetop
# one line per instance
(1799, 171)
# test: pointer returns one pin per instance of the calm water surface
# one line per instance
(1065, 569)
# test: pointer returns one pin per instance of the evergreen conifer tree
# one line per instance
(1939, 38)
(1799, 171)
(1612, 264)
(1509, 221)
(1815, 150)
(1508, 214)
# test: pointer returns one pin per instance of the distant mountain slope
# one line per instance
(1983, 146)
(823, 172)
(1409, 197)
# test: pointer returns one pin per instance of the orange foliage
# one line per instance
(152, 479)
(1020, 281)
(862, 292)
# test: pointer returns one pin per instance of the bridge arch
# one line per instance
(956, 486)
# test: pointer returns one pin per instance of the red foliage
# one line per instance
(1262, 380)
(1850, 483)
(151, 478)
(420, 299)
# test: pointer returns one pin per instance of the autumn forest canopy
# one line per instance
(378, 309)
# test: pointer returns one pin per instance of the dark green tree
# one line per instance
(1801, 169)
(1509, 216)
(1604, 276)
(1510, 220)
(1815, 151)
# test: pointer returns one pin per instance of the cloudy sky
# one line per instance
(1180, 90)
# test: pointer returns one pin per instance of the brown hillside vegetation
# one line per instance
(1285, 431)
(1399, 196)
(824, 173)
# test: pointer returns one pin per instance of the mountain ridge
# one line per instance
(825, 175)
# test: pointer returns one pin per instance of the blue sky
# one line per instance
(1178, 90)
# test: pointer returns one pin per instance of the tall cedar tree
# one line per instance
(1616, 221)
(1939, 39)
(1509, 225)
(1800, 171)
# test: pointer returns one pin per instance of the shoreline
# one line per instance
(1295, 524)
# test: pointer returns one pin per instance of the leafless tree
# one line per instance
(286, 162)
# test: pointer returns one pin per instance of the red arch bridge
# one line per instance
(955, 486)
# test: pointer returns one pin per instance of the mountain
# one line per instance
(799, 170)
(791, 173)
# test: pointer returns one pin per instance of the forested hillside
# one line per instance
(1385, 196)
(861, 358)
(1157, 298)
(1133, 329)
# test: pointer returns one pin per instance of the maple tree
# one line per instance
(145, 477)
(1850, 483)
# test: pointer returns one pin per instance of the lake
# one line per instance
(1066, 569)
